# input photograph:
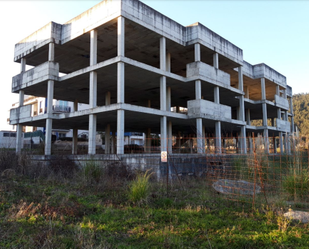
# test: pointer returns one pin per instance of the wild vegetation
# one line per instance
(63, 205)
(301, 112)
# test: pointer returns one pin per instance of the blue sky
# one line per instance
(271, 32)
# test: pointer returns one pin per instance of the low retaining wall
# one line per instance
(177, 164)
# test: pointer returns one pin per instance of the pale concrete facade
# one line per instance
(137, 68)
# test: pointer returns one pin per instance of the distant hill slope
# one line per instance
(301, 112)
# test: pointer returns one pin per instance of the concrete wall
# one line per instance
(18, 113)
(101, 13)
(207, 109)
(198, 33)
(264, 71)
(181, 165)
(283, 125)
(46, 71)
(203, 71)
(50, 32)
(281, 102)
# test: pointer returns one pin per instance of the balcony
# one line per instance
(205, 72)
(19, 113)
(206, 109)
(61, 109)
(46, 71)
(281, 102)
(283, 125)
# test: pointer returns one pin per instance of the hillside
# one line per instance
(301, 112)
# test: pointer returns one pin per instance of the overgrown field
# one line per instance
(62, 206)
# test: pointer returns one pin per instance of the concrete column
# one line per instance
(216, 95)
(247, 92)
(168, 62)
(241, 109)
(120, 85)
(120, 113)
(107, 139)
(281, 142)
(93, 89)
(121, 36)
(163, 129)
(168, 99)
(266, 142)
(51, 52)
(113, 143)
(275, 145)
(75, 106)
(264, 107)
(120, 82)
(93, 47)
(92, 94)
(19, 128)
(243, 141)
(279, 113)
(199, 135)
(163, 122)
(169, 137)
(197, 52)
(248, 117)
(50, 96)
(120, 132)
(92, 134)
(216, 60)
(49, 121)
(240, 79)
(19, 138)
(149, 103)
(250, 144)
(287, 143)
(218, 136)
(162, 53)
(198, 89)
(108, 98)
(148, 140)
(75, 131)
(204, 135)
(74, 141)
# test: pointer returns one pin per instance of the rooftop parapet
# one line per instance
(101, 13)
(198, 33)
(43, 36)
(263, 71)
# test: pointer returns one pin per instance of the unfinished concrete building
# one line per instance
(140, 71)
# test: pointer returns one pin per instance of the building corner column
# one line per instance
(19, 128)
(50, 97)
(92, 94)
(120, 84)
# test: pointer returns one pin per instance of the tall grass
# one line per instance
(140, 188)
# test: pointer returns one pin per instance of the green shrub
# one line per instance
(140, 187)
(93, 172)
(297, 184)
